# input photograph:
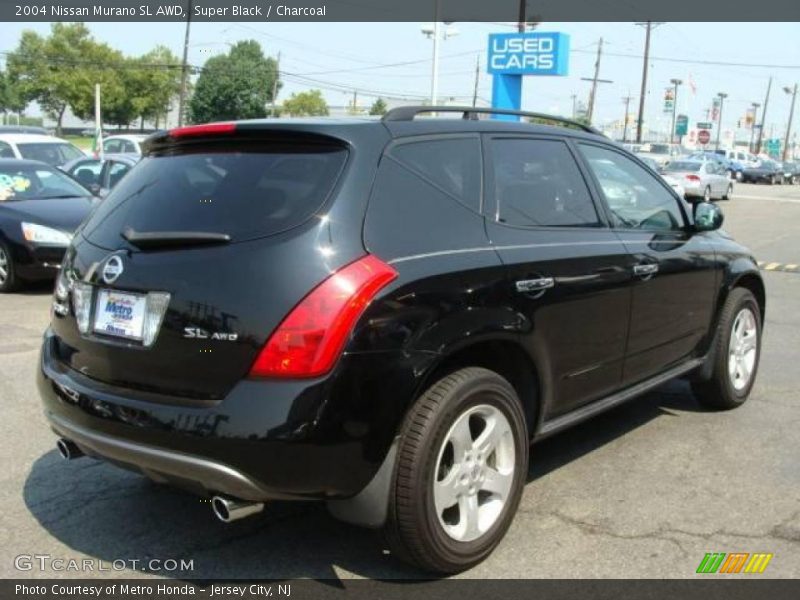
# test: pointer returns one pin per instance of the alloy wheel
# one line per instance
(4, 266)
(474, 473)
(707, 194)
(742, 349)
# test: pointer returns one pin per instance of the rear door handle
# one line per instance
(535, 285)
(647, 270)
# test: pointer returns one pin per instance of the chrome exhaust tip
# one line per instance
(228, 510)
(68, 450)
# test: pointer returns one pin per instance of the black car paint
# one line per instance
(39, 261)
(454, 298)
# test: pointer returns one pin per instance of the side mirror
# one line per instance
(707, 216)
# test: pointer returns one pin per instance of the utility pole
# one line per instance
(755, 106)
(721, 96)
(791, 116)
(595, 80)
(355, 101)
(627, 100)
(275, 87)
(477, 80)
(648, 25)
(574, 105)
(676, 83)
(184, 67)
(763, 119)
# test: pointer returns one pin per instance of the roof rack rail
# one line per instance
(407, 113)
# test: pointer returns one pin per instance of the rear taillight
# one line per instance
(206, 129)
(310, 339)
(692, 178)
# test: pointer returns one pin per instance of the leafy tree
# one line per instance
(152, 81)
(60, 71)
(309, 103)
(378, 107)
(237, 85)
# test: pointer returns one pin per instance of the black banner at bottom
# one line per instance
(702, 588)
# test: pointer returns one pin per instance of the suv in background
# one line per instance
(384, 314)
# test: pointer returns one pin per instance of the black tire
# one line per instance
(707, 197)
(9, 282)
(728, 193)
(413, 529)
(718, 392)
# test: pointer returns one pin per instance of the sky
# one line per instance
(345, 57)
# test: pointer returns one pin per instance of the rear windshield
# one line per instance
(244, 194)
(683, 166)
(51, 153)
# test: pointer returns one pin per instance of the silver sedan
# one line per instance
(701, 179)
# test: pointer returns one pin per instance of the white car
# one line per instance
(701, 179)
(123, 144)
(32, 146)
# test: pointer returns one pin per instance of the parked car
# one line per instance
(791, 172)
(701, 179)
(23, 129)
(674, 183)
(123, 144)
(733, 168)
(746, 159)
(51, 150)
(661, 153)
(40, 207)
(100, 176)
(767, 171)
(349, 311)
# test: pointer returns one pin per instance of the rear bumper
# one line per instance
(321, 439)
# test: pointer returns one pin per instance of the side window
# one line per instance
(637, 199)
(6, 151)
(453, 165)
(116, 172)
(127, 146)
(537, 183)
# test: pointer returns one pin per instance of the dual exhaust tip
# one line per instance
(225, 509)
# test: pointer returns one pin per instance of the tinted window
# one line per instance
(453, 165)
(636, 197)
(127, 146)
(537, 183)
(112, 146)
(36, 183)
(52, 154)
(116, 172)
(246, 194)
(677, 165)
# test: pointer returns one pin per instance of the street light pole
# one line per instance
(676, 83)
(721, 96)
(763, 119)
(184, 68)
(791, 116)
(756, 106)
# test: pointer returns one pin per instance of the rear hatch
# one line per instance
(228, 228)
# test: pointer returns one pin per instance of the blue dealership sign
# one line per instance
(536, 53)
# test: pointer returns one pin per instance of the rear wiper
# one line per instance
(164, 239)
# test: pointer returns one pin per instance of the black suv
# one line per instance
(383, 314)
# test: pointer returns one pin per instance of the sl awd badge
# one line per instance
(196, 333)
(112, 269)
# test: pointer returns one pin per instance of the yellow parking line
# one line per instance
(790, 267)
(772, 266)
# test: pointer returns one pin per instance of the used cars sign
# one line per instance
(538, 53)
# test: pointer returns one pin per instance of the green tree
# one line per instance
(61, 70)
(237, 85)
(309, 103)
(378, 107)
(152, 82)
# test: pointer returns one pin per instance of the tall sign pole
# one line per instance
(184, 67)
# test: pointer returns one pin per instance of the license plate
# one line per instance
(120, 314)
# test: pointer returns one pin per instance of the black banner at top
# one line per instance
(400, 10)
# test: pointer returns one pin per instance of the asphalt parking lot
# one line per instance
(642, 491)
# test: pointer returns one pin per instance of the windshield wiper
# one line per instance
(165, 239)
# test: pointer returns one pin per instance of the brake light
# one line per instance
(206, 129)
(311, 337)
(693, 178)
